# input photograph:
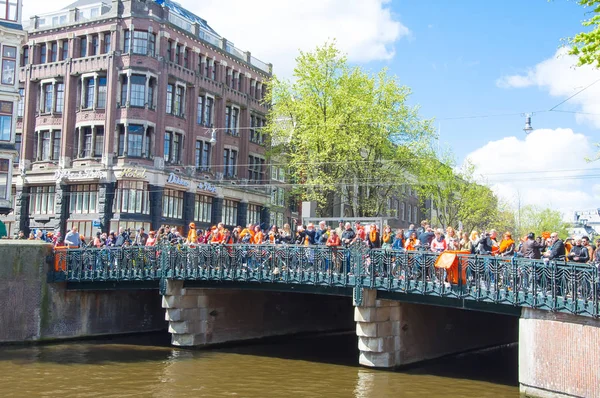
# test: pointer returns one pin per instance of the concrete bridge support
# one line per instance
(392, 333)
(558, 355)
(199, 317)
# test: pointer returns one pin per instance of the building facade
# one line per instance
(11, 37)
(137, 113)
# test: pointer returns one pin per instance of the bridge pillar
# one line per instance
(558, 355)
(392, 333)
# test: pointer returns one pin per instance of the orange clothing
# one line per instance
(218, 237)
(333, 241)
(410, 244)
(245, 232)
(259, 237)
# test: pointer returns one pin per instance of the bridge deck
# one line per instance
(411, 276)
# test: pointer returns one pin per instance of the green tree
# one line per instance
(538, 220)
(455, 196)
(343, 132)
(586, 45)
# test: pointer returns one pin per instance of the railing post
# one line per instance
(358, 267)
(162, 286)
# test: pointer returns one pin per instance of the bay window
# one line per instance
(4, 170)
(53, 97)
(143, 42)
(231, 119)
(134, 140)
(9, 10)
(175, 99)
(256, 169)
(43, 50)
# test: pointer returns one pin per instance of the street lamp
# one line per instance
(528, 129)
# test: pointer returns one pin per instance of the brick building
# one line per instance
(137, 113)
(11, 37)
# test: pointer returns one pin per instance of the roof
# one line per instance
(179, 10)
(82, 3)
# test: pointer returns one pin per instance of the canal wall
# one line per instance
(558, 355)
(202, 317)
(34, 310)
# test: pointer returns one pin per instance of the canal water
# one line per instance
(315, 366)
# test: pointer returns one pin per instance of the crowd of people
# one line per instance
(548, 246)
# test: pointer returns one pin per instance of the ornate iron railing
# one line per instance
(550, 285)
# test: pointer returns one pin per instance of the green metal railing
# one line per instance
(555, 285)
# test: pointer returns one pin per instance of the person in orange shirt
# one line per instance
(218, 235)
(247, 234)
(259, 236)
(334, 242)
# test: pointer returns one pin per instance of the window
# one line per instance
(256, 169)
(256, 126)
(46, 145)
(208, 112)
(95, 45)
(138, 90)
(53, 52)
(408, 213)
(84, 198)
(124, 85)
(415, 213)
(172, 203)
(43, 54)
(203, 209)
(280, 197)
(135, 138)
(143, 43)
(172, 148)
(56, 144)
(101, 104)
(229, 162)
(65, 49)
(88, 96)
(107, 39)
(178, 105)
(6, 108)
(253, 214)
(127, 41)
(206, 68)
(60, 97)
(239, 82)
(48, 95)
(25, 60)
(4, 187)
(41, 200)
(8, 10)
(402, 211)
(186, 58)
(178, 54)
(132, 197)
(200, 110)
(18, 143)
(9, 64)
(202, 155)
(86, 134)
(83, 47)
(230, 212)
(169, 109)
(169, 51)
(99, 143)
(214, 70)
(231, 119)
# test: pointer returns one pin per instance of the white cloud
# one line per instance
(561, 77)
(546, 168)
(274, 30)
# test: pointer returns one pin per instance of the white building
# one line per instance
(11, 37)
(586, 223)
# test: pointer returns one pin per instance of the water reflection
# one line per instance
(307, 367)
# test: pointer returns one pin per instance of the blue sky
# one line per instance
(459, 49)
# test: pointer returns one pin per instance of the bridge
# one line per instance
(407, 306)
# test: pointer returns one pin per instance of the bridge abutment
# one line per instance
(558, 355)
(392, 333)
(200, 316)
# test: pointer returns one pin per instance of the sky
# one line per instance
(475, 66)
